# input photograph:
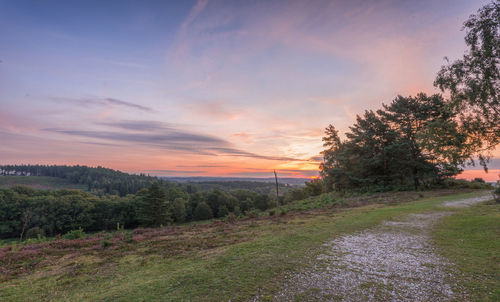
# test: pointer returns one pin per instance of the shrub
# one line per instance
(237, 211)
(105, 243)
(203, 211)
(231, 218)
(179, 210)
(74, 234)
(496, 193)
(222, 211)
(35, 232)
(253, 213)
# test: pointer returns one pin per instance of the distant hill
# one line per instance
(200, 179)
(98, 180)
(258, 185)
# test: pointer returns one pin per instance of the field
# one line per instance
(471, 240)
(235, 260)
(39, 182)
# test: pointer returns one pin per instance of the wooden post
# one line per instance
(277, 190)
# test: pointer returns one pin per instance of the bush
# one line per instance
(35, 232)
(74, 234)
(203, 211)
(179, 210)
(105, 243)
(253, 213)
(231, 218)
(237, 211)
(477, 183)
(222, 211)
(496, 193)
(295, 194)
(263, 202)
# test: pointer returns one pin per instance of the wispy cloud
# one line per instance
(100, 102)
(164, 136)
(140, 125)
(201, 166)
(219, 110)
(177, 171)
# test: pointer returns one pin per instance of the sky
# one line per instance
(210, 88)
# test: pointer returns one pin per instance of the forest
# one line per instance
(98, 180)
(31, 213)
(117, 200)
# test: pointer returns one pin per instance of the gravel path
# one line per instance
(394, 261)
(467, 202)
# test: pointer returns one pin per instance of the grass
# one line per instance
(39, 182)
(210, 262)
(471, 239)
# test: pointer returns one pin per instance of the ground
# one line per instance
(256, 258)
(395, 261)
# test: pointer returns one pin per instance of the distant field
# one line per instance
(39, 182)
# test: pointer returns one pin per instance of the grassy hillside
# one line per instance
(39, 182)
(208, 262)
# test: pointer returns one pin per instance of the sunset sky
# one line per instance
(210, 88)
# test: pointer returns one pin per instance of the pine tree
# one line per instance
(154, 209)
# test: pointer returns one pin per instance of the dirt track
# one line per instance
(394, 261)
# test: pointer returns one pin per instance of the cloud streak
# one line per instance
(84, 102)
(164, 136)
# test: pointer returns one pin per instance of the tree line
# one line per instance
(26, 212)
(98, 180)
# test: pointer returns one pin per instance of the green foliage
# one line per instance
(179, 210)
(53, 212)
(295, 194)
(412, 141)
(469, 238)
(464, 184)
(496, 193)
(222, 211)
(154, 207)
(35, 232)
(314, 187)
(231, 218)
(253, 213)
(237, 211)
(105, 243)
(257, 187)
(98, 180)
(473, 82)
(74, 234)
(250, 257)
(203, 211)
